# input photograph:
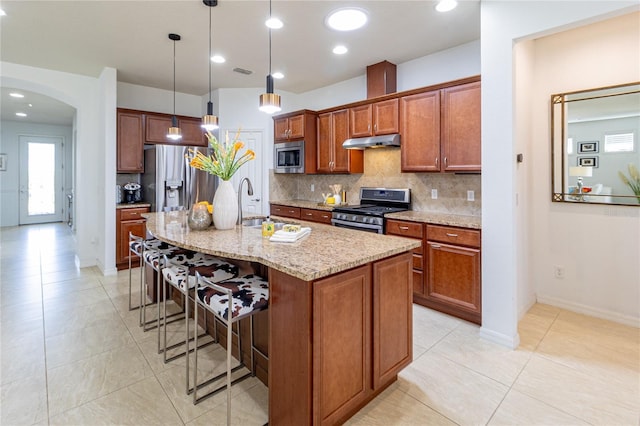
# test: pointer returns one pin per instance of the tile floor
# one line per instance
(73, 354)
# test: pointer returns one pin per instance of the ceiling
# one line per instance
(83, 37)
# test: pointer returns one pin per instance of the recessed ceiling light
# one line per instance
(2, 12)
(446, 5)
(274, 23)
(30, 105)
(277, 75)
(21, 114)
(340, 50)
(16, 95)
(346, 19)
(218, 59)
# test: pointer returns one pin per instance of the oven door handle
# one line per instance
(355, 225)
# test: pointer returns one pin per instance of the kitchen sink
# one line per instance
(253, 223)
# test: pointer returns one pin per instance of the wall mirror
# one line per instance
(595, 152)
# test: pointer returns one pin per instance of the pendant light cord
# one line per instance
(210, 53)
(269, 39)
(174, 77)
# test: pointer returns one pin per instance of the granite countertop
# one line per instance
(306, 204)
(132, 205)
(473, 222)
(327, 250)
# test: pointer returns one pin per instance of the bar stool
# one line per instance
(136, 248)
(180, 273)
(229, 301)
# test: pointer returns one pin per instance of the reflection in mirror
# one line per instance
(595, 151)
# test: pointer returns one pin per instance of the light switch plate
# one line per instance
(434, 194)
(471, 195)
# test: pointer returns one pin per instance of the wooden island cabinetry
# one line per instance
(411, 230)
(440, 130)
(333, 130)
(128, 219)
(341, 358)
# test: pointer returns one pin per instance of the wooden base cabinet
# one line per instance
(336, 343)
(453, 279)
(128, 220)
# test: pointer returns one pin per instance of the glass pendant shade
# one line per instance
(174, 132)
(270, 102)
(209, 121)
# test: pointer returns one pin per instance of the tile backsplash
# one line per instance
(382, 169)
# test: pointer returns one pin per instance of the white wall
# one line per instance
(87, 95)
(599, 246)
(9, 144)
(502, 24)
(158, 100)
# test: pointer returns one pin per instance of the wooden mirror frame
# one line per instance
(560, 113)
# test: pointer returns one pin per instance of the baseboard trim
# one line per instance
(511, 342)
(590, 310)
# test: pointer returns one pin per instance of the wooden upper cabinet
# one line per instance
(157, 126)
(379, 118)
(461, 137)
(130, 142)
(333, 130)
(420, 130)
(289, 128)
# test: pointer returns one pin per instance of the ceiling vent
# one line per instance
(243, 71)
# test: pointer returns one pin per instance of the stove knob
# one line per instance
(354, 218)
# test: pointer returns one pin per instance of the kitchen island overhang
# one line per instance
(340, 312)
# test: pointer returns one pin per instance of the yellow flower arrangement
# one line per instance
(225, 160)
(633, 181)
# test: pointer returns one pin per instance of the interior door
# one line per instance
(253, 170)
(40, 185)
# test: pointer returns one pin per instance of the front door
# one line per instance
(40, 179)
(253, 170)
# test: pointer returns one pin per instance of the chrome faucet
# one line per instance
(249, 192)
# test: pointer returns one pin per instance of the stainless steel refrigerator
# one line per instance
(169, 183)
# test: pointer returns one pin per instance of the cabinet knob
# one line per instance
(451, 235)
(445, 162)
(435, 246)
(308, 214)
(404, 228)
(436, 161)
(375, 127)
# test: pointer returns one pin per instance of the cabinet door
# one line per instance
(461, 138)
(344, 160)
(360, 121)
(137, 227)
(341, 344)
(157, 127)
(420, 129)
(130, 143)
(454, 277)
(324, 143)
(296, 127)
(192, 132)
(392, 318)
(285, 211)
(280, 129)
(385, 117)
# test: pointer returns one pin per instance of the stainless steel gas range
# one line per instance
(375, 203)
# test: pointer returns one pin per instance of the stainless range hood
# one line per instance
(384, 141)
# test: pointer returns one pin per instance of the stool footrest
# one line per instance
(220, 388)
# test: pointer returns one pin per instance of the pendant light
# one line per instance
(174, 132)
(270, 102)
(210, 121)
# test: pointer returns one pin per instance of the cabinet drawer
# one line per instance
(404, 229)
(321, 216)
(133, 213)
(461, 236)
(417, 261)
(285, 211)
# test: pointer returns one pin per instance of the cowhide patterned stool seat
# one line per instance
(229, 301)
(180, 272)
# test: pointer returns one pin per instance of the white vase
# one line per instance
(225, 206)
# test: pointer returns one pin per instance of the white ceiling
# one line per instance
(83, 37)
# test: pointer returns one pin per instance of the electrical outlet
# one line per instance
(313, 187)
(558, 271)
(471, 195)
(434, 194)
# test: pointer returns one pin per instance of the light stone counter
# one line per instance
(326, 251)
(473, 222)
(132, 205)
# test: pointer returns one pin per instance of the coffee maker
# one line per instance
(132, 193)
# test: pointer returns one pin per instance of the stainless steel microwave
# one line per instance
(288, 157)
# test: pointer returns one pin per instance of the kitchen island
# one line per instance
(340, 312)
